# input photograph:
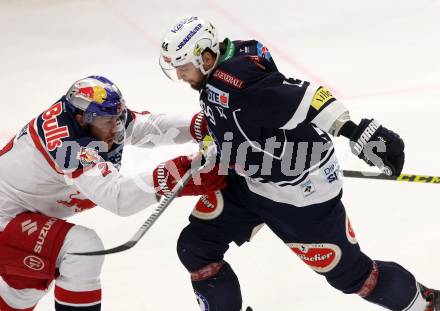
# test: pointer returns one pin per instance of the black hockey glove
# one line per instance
(376, 145)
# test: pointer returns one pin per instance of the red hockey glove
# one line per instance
(167, 174)
(198, 127)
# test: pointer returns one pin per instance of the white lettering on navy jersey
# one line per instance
(217, 96)
(209, 114)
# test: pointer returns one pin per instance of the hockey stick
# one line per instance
(164, 203)
(402, 177)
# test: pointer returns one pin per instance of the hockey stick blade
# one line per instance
(401, 177)
(164, 203)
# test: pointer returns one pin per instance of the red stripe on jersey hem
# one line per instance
(47, 156)
(8, 147)
(5, 307)
(67, 296)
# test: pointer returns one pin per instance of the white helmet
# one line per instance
(185, 42)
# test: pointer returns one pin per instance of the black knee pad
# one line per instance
(195, 253)
(349, 279)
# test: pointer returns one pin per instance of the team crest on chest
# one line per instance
(88, 156)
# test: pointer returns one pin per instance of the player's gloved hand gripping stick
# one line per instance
(198, 164)
(376, 145)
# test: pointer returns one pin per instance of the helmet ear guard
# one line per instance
(185, 43)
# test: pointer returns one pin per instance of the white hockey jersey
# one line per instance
(53, 167)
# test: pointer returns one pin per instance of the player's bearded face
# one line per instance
(191, 75)
(104, 129)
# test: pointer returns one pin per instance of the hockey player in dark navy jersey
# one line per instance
(274, 134)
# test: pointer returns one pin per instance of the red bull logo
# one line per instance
(96, 93)
(87, 156)
(78, 204)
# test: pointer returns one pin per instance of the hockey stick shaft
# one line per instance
(163, 204)
(402, 177)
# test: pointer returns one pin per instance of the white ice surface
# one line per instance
(380, 57)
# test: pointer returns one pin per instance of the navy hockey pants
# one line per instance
(319, 234)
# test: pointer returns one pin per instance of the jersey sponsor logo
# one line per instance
(217, 96)
(209, 206)
(189, 36)
(228, 79)
(307, 188)
(79, 205)
(351, 236)
(34, 263)
(88, 156)
(43, 234)
(321, 97)
(53, 133)
(115, 155)
(29, 226)
(331, 172)
(320, 257)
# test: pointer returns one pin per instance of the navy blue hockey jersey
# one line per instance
(272, 128)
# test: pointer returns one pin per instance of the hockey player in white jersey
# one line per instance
(66, 161)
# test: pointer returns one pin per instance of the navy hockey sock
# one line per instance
(395, 288)
(219, 291)
(61, 307)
